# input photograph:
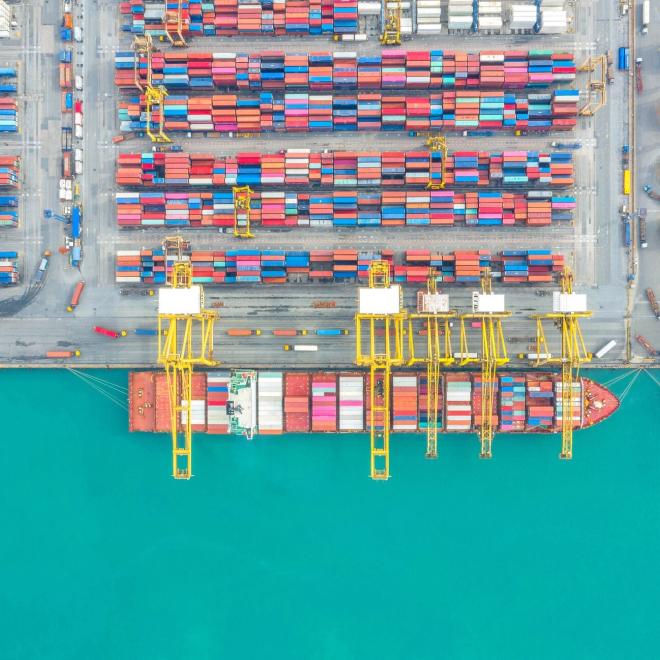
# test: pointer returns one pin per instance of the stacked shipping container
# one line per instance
(303, 112)
(8, 211)
(9, 171)
(324, 402)
(279, 266)
(345, 208)
(217, 397)
(302, 167)
(226, 18)
(296, 402)
(404, 403)
(269, 400)
(324, 71)
(351, 402)
(8, 268)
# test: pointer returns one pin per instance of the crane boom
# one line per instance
(380, 307)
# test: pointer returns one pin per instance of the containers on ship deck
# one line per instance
(477, 399)
(345, 208)
(404, 402)
(217, 398)
(342, 169)
(351, 402)
(198, 404)
(269, 402)
(259, 18)
(424, 408)
(512, 403)
(297, 402)
(323, 71)
(540, 402)
(576, 403)
(324, 402)
(458, 402)
(303, 112)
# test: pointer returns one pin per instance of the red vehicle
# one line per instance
(78, 107)
(113, 334)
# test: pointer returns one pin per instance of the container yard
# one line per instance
(353, 154)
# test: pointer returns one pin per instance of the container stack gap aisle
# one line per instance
(433, 308)
(380, 304)
(181, 315)
(567, 310)
(489, 309)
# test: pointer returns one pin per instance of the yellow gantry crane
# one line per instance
(173, 24)
(391, 23)
(596, 87)
(380, 307)
(185, 340)
(567, 310)
(437, 143)
(489, 309)
(153, 94)
(242, 205)
(433, 308)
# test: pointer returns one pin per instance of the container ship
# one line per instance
(248, 402)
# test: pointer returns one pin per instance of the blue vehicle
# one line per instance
(624, 59)
(331, 332)
(146, 332)
(66, 34)
(65, 56)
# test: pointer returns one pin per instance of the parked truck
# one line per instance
(641, 216)
(107, 332)
(646, 16)
(43, 266)
(289, 332)
(624, 59)
(648, 347)
(331, 332)
(242, 332)
(75, 296)
(651, 193)
(605, 349)
(650, 294)
(300, 347)
(62, 355)
(639, 81)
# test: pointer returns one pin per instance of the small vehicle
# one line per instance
(106, 332)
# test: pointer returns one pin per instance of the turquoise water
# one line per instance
(283, 548)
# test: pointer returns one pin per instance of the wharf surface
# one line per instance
(592, 245)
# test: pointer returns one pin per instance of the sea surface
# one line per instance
(283, 548)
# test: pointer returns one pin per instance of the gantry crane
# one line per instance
(433, 308)
(437, 143)
(173, 24)
(143, 47)
(597, 88)
(391, 23)
(567, 310)
(185, 340)
(489, 309)
(153, 94)
(380, 306)
(242, 203)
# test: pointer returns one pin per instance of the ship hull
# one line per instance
(277, 402)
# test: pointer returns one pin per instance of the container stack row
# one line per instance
(9, 171)
(540, 403)
(217, 397)
(302, 167)
(227, 18)
(303, 113)
(424, 411)
(477, 401)
(324, 71)
(512, 403)
(279, 266)
(269, 402)
(345, 208)
(8, 210)
(324, 402)
(8, 104)
(458, 396)
(576, 403)
(404, 403)
(351, 402)
(8, 268)
(296, 402)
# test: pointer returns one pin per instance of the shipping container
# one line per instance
(75, 296)
(9, 272)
